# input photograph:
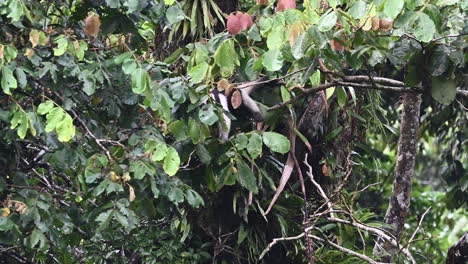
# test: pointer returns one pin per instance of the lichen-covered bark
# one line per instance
(398, 208)
(458, 252)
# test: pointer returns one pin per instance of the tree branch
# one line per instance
(398, 209)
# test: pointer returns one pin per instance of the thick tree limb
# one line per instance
(396, 87)
(458, 252)
(398, 209)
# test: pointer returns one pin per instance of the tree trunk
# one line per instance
(398, 208)
(458, 252)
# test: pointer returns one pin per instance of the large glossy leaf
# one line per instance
(272, 60)
(327, 22)
(226, 57)
(171, 162)
(198, 72)
(443, 90)
(393, 7)
(276, 142)
(207, 115)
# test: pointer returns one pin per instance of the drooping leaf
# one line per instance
(140, 81)
(246, 177)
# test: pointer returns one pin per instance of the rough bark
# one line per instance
(458, 252)
(398, 208)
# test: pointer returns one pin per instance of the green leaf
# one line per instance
(8, 80)
(134, 5)
(16, 10)
(275, 38)
(243, 232)
(285, 94)
(276, 142)
(114, 187)
(424, 28)
(393, 8)
(299, 47)
(207, 115)
(23, 128)
(376, 57)
(38, 237)
(62, 44)
(138, 169)
(21, 77)
(245, 176)
(198, 72)
(160, 152)
(174, 14)
(53, 118)
(272, 60)
(122, 57)
(241, 141)
(171, 162)
(140, 81)
(439, 60)
(104, 219)
(327, 22)
(226, 57)
(179, 129)
(101, 187)
(193, 198)
(6, 224)
(315, 78)
(176, 195)
(358, 9)
(443, 90)
(194, 131)
(203, 154)
(255, 145)
(129, 65)
(154, 188)
(122, 219)
(65, 129)
(341, 96)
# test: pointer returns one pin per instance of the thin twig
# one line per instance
(449, 36)
(347, 250)
(319, 188)
(411, 240)
(98, 142)
(253, 83)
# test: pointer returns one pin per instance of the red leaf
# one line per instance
(233, 24)
(336, 45)
(245, 20)
(262, 2)
(285, 4)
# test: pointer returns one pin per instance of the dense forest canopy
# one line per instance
(204, 131)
